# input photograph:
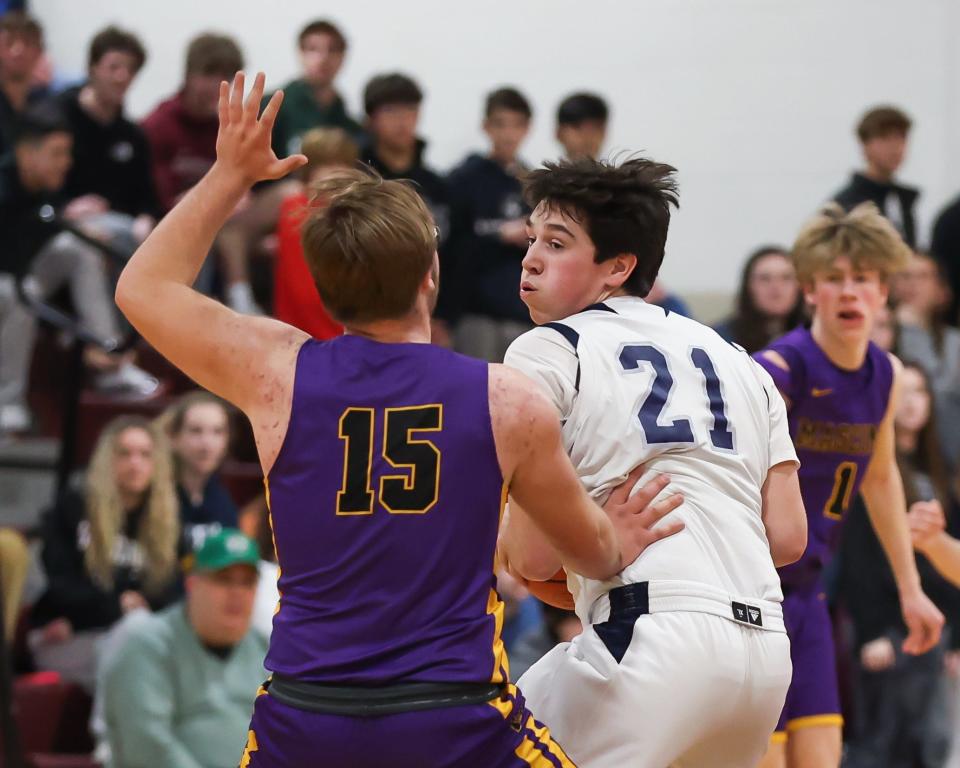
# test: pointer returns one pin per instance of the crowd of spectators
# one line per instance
(155, 603)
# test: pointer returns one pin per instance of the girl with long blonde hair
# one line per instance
(108, 550)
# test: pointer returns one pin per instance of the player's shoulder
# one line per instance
(554, 338)
(519, 408)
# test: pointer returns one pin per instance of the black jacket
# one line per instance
(23, 231)
(436, 194)
(487, 195)
(861, 189)
(71, 591)
(112, 161)
(869, 591)
(945, 246)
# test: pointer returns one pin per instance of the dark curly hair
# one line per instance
(624, 208)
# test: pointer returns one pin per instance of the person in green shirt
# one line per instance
(311, 101)
(179, 691)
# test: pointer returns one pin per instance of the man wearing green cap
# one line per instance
(178, 691)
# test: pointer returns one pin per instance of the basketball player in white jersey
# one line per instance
(684, 659)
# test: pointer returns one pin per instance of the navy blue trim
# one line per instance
(566, 331)
(574, 338)
(666, 312)
(599, 306)
(627, 604)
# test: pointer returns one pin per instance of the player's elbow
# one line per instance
(124, 294)
(789, 546)
(533, 565)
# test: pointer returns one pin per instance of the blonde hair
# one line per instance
(862, 234)
(160, 527)
(328, 146)
(369, 243)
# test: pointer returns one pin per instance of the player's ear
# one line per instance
(621, 267)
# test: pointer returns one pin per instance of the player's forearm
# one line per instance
(944, 552)
(886, 507)
(175, 250)
(524, 549)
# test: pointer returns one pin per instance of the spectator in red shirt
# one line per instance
(295, 297)
(183, 139)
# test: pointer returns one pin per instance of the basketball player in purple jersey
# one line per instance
(840, 391)
(387, 462)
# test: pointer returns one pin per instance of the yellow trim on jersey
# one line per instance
(779, 737)
(496, 608)
(813, 721)
(251, 747)
(273, 538)
(529, 749)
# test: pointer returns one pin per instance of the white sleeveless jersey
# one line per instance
(637, 385)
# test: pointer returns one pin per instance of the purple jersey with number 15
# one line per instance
(834, 416)
(385, 501)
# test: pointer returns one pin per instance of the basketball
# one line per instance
(553, 591)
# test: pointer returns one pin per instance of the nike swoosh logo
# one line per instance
(820, 392)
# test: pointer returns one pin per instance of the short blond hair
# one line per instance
(328, 146)
(368, 243)
(862, 234)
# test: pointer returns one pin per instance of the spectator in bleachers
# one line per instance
(198, 426)
(21, 46)
(183, 129)
(769, 301)
(110, 184)
(37, 252)
(582, 125)
(883, 138)
(14, 560)
(392, 106)
(295, 297)
(312, 101)
(183, 139)
(922, 297)
(901, 703)
(180, 690)
(107, 551)
(945, 247)
(494, 239)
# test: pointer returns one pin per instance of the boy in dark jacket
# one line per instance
(486, 190)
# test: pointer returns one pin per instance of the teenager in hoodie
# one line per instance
(486, 189)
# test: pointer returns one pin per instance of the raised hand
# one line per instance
(243, 142)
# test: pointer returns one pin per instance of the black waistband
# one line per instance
(627, 604)
(371, 702)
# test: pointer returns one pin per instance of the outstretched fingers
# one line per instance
(270, 111)
(251, 107)
(223, 106)
(236, 98)
(281, 168)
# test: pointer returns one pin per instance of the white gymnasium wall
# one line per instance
(753, 100)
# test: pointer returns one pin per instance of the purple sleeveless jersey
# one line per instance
(834, 415)
(385, 501)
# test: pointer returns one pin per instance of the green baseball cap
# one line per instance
(225, 548)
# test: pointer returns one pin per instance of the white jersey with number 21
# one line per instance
(634, 384)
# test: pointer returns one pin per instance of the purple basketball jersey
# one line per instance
(834, 415)
(385, 501)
